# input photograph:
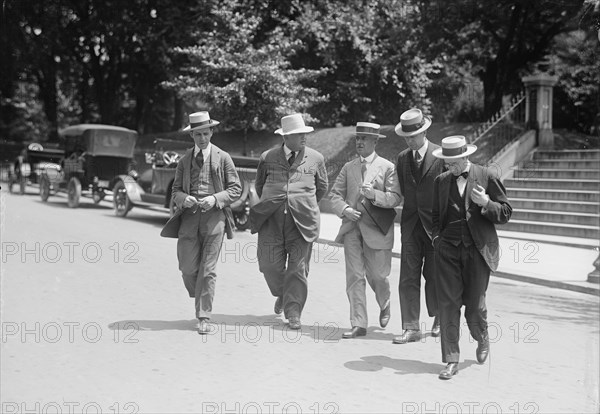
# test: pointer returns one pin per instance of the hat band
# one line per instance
(366, 130)
(197, 124)
(451, 152)
(414, 127)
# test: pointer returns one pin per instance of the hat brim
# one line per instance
(370, 134)
(303, 130)
(401, 133)
(438, 153)
(212, 124)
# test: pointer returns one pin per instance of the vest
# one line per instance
(456, 230)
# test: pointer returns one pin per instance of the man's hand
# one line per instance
(368, 191)
(189, 202)
(479, 196)
(351, 214)
(207, 202)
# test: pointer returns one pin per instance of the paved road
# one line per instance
(95, 318)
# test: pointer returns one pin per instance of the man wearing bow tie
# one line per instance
(468, 201)
(206, 183)
(367, 249)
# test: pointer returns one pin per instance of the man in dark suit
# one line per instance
(206, 183)
(417, 168)
(290, 181)
(468, 201)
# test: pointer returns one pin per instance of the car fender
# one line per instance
(134, 191)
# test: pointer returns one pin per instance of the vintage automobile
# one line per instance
(153, 187)
(96, 157)
(30, 163)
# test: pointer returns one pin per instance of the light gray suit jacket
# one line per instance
(345, 193)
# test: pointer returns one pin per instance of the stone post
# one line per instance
(538, 105)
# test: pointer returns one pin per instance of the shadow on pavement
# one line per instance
(401, 366)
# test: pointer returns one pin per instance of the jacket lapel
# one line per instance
(428, 161)
(444, 194)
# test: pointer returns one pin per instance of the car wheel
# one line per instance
(121, 202)
(44, 187)
(73, 192)
(242, 219)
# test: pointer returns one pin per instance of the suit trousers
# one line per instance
(463, 278)
(283, 257)
(417, 254)
(363, 262)
(198, 247)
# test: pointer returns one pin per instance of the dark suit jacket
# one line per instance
(481, 221)
(224, 177)
(301, 186)
(418, 196)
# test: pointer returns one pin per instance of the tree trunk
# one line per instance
(47, 84)
(245, 153)
(178, 112)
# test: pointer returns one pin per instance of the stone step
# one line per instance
(553, 194)
(554, 183)
(534, 173)
(588, 207)
(571, 230)
(578, 164)
(566, 154)
(558, 217)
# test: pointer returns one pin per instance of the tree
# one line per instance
(499, 40)
(247, 86)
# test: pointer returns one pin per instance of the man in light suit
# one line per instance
(468, 201)
(367, 250)
(206, 183)
(290, 181)
(417, 168)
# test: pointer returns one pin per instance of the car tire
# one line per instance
(73, 192)
(121, 202)
(44, 187)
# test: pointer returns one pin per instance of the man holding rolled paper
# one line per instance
(364, 196)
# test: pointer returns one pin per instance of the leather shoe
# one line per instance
(409, 335)
(356, 331)
(294, 323)
(278, 308)
(384, 316)
(203, 327)
(483, 350)
(450, 371)
(435, 330)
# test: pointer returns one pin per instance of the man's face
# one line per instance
(456, 165)
(202, 137)
(416, 141)
(295, 142)
(365, 144)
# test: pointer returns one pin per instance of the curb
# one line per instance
(519, 278)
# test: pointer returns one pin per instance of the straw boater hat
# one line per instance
(200, 120)
(293, 124)
(412, 122)
(368, 128)
(454, 147)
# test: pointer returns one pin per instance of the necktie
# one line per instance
(363, 168)
(200, 159)
(418, 158)
(292, 158)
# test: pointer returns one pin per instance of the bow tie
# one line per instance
(464, 175)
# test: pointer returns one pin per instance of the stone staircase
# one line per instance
(556, 193)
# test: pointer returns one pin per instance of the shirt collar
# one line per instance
(205, 153)
(368, 159)
(287, 151)
(422, 150)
